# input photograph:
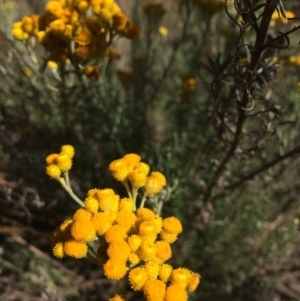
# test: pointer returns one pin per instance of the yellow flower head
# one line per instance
(126, 204)
(165, 272)
(137, 278)
(115, 269)
(147, 251)
(166, 236)
(83, 230)
(134, 242)
(68, 150)
(145, 214)
(51, 159)
(148, 229)
(82, 6)
(193, 282)
(92, 192)
(82, 214)
(119, 169)
(126, 219)
(91, 204)
(66, 225)
(64, 162)
(155, 182)
(172, 225)
(117, 298)
(76, 249)
(181, 277)
(139, 175)
(58, 250)
(107, 199)
(118, 249)
(176, 293)
(152, 268)
(102, 221)
(30, 24)
(84, 37)
(163, 250)
(53, 171)
(115, 232)
(19, 34)
(131, 160)
(54, 8)
(134, 258)
(154, 290)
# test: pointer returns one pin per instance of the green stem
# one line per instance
(70, 191)
(125, 183)
(143, 200)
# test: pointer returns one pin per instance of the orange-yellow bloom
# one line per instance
(147, 251)
(119, 170)
(172, 225)
(115, 269)
(51, 159)
(64, 162)
(115, 232)
(165, 272)
(163, 250)
(83, 230)
(58, 250)
(176, 293)
(139, 175)
(152, 268)
(181, 277)
(154, 290)
(102, 221)
(118, 249)
(107, 199)
(82, 214)
(68, 150)
(194, 281)
(137, 278)
(53, 171)
(134, 242)
(76, 249)
(126, 219)
(126, 204)
(91, 204)
(155, 182)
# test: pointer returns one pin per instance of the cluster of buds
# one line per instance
(131, 244)
(76, 30)
(60, 163)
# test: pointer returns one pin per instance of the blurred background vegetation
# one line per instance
(192, 99)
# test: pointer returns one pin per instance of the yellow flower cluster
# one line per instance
(278, 19)
(130, 168)
(58, 163)
(134, 243)
(80, 29)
